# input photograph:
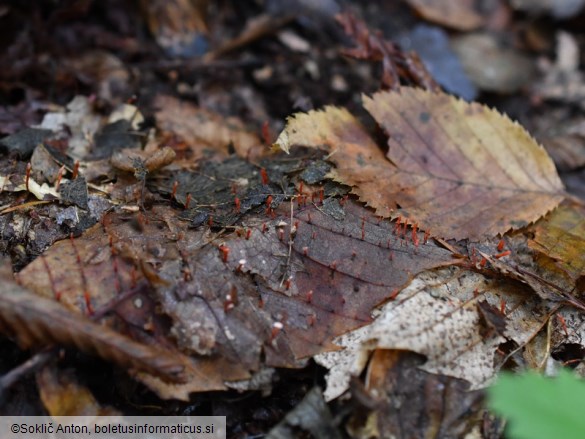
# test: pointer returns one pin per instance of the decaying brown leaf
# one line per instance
(460, 170)
(36, 321)
(204, 130)
(414, 403)
(327, 278)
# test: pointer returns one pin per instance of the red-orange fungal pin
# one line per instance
(187, 201)
(75, 170)
(501, 245)
(563, 324)
(426, 237)
(28, 169)
(264, 176)
(503, 254)
(276, 328)
(59, 177)
(174, 191)
(237, 204)
(88, 304)
(248, 233)
(266, 133)
(225, 252)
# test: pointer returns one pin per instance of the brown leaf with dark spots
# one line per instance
(36, 321)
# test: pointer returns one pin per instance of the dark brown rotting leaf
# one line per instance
(24, 142)
(414, 403)
(332, 275)
(75, 192)
(36, 321)
(491, 319)
(113, 137)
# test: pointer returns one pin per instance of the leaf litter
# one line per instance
(234, 266)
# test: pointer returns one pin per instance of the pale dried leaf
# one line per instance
(437, 316)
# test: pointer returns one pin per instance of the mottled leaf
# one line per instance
(437, 315)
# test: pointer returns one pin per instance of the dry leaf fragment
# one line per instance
(457, 169)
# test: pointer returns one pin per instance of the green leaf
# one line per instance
(539, 407)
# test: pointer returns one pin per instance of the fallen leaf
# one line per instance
(414, 403)
(458, 169)
(63, 395)
(460, 16)
(561, 236)
(311, 415)
(396, 64)
(492, 63)
(204, 130)
(437, 316)
(35, 321)
(332, 273)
